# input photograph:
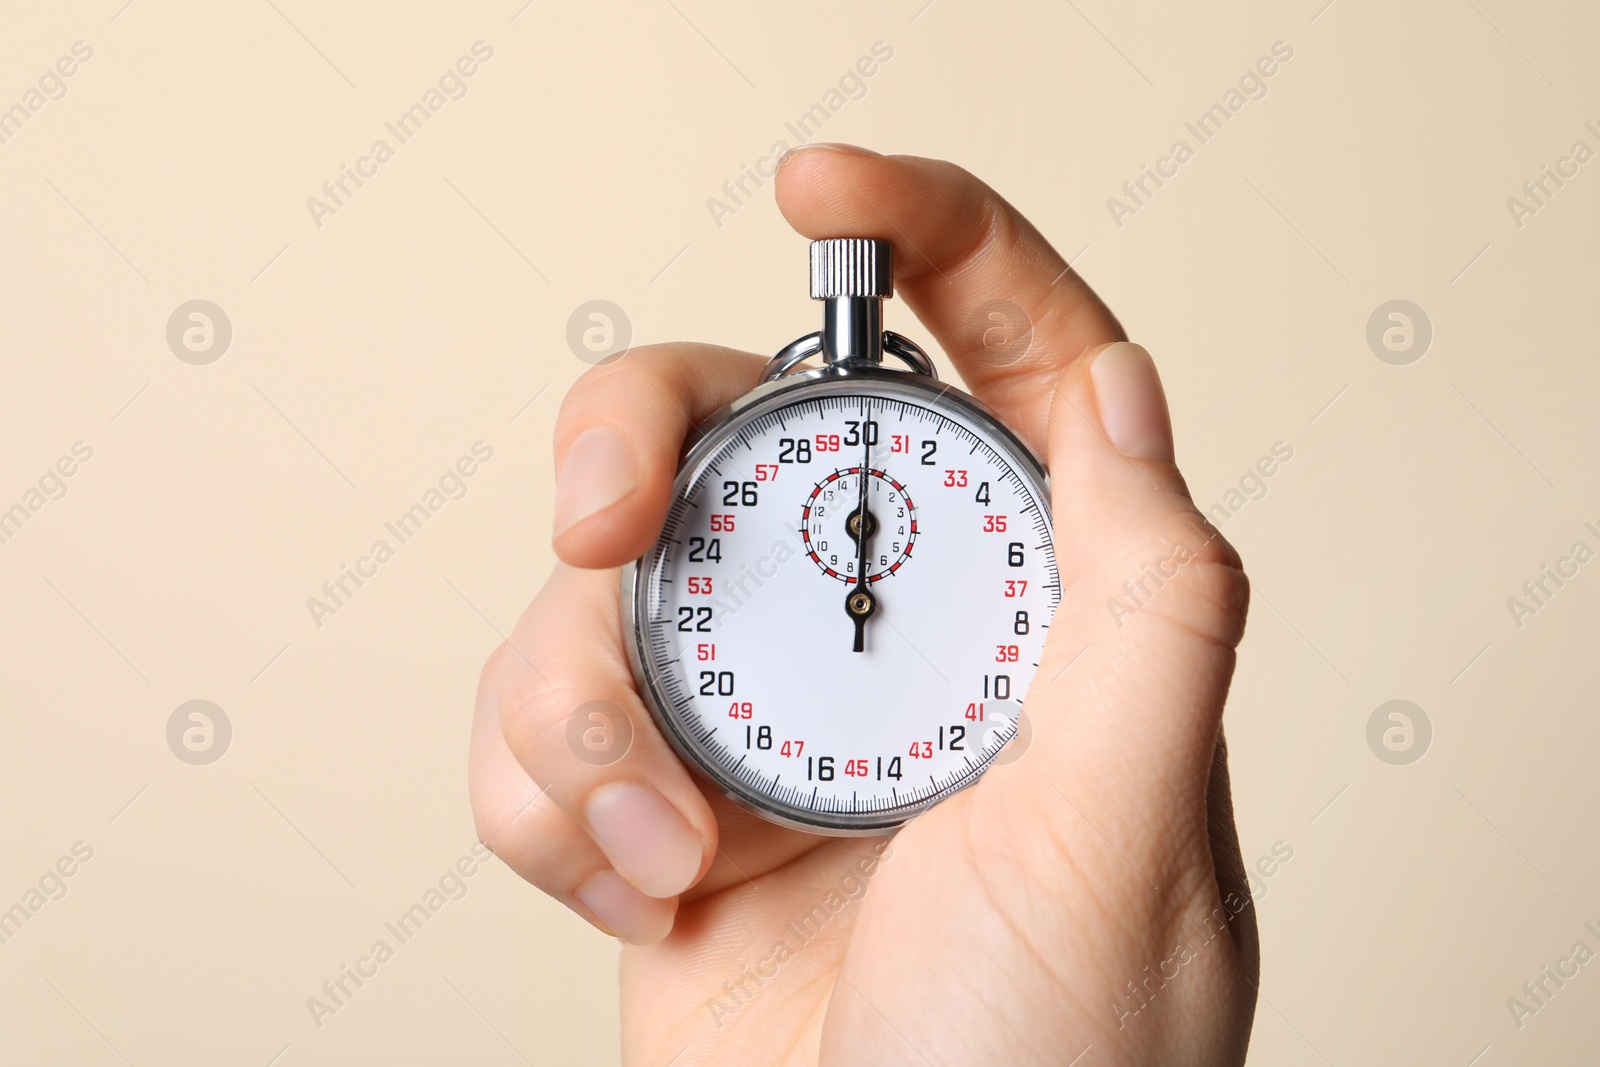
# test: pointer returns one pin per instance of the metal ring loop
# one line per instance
(897, 345)
(793, 354)
(910, 352)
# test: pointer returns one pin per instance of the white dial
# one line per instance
(749, 612)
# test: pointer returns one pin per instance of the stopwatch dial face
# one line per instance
(752, 605)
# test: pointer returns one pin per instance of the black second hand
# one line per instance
(859, 601)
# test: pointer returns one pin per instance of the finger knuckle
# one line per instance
(531, 713)
(1187, 575)
(494, 670)
(515, 820)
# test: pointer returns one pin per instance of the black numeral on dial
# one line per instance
(736, 493)
(716, 683)
(694, 620)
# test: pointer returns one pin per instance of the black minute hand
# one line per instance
(859, 601)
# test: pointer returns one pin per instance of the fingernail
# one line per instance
(1133, 406)
(632, 916)
(828, 146)
(649, 842)
(600, 469)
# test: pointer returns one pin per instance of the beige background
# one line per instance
(430, 312)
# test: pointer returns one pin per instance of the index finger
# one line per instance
(961, 254)
(618, 438)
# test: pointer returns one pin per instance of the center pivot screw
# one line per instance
(854, 525)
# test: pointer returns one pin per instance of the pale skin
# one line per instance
(1088, 895)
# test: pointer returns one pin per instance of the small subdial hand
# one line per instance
(859, 601)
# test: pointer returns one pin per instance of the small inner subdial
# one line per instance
(831, 521)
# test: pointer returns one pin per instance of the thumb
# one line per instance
(1128, 698)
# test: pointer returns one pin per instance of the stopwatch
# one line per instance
(848, 600)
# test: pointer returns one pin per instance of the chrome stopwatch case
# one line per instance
(840, 620)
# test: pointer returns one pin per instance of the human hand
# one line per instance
(1088, 895)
